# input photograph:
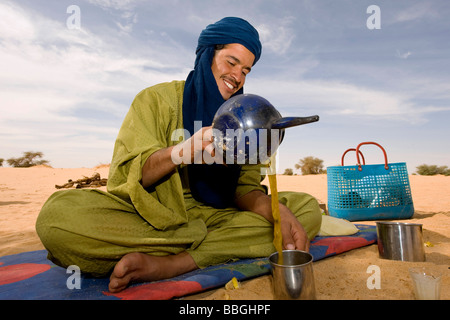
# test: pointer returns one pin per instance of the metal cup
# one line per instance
(400, 241)
(294, 279)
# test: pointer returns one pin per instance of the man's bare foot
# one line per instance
(140, 267)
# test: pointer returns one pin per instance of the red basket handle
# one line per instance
(384, 152)
(352, 149)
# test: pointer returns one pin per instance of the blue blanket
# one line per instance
(30, 276)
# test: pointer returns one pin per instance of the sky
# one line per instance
(69, 71)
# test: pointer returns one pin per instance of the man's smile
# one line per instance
(230, 83)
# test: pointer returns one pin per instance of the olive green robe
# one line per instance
(94, 229)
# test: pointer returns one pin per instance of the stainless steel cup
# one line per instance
(400, 241)
(294, 279)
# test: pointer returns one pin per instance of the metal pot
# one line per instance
(400, 241)
(247, 129)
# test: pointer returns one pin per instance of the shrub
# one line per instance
(310, 165)
(28, 160)
(431, 170)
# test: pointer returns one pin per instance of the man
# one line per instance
(160, 219)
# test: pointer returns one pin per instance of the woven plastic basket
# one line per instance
(369, 192)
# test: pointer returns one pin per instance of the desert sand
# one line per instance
(23, 191)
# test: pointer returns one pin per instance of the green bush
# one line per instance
(28, 160)
(431, 170)
(310, 165)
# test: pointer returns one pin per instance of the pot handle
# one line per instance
(287, 122)
(384, 152)
(352, 149)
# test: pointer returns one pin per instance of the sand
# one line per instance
(23, 191)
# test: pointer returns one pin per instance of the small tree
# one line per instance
(1, 162)
(431, 170)
(288, 172)
(28, 160)
(310, 165)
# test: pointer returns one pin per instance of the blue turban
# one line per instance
(230, 30)
(202, 98)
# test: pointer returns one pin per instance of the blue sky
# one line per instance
(65, 91)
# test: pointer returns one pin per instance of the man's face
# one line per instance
(230, 66)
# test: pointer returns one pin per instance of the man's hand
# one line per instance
(196, 149)
(293, 233)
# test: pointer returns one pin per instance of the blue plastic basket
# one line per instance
(369, 192)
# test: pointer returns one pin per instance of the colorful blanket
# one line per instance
(30, 276)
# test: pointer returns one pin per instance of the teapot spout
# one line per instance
(288, 122)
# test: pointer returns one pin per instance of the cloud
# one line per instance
(339, 98)
(423, 9)
(277, 36)
(122, 5)
(403, 55)
(14, 23)
(127, 27)
(123, 9)
(53, 79)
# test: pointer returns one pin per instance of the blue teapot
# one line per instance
(247, 129)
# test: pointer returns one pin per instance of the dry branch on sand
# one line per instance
(93, 182)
